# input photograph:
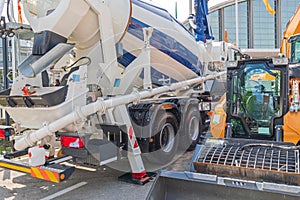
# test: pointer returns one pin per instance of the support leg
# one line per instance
(138, 175)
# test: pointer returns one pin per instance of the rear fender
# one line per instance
(144, 133)
(154, 112)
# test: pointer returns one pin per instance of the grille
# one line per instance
(256, 157)
(251, 161)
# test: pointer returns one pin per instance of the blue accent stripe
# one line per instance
(128, 58)
(167, 45)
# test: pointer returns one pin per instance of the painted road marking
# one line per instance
(64, 191)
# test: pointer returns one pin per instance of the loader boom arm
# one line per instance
(292, 28)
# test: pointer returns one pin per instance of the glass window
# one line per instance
(213, 19)
(295, 49)
(288, 8)
(263, 25)
(257, 91)
(229, 24)
(243, 25)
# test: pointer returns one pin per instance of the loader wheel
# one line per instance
(192, 129)
(165, 128)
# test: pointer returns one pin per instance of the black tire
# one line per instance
(166, 140)
(192, 128)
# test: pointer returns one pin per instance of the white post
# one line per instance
(147, 65)
(15, 53)
(236, 23)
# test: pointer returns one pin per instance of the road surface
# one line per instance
(83, 184)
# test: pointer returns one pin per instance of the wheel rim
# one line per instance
(194, 128)
(167, 137)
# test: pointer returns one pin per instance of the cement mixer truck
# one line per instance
(107, 80)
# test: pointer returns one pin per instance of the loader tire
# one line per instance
(166, 140)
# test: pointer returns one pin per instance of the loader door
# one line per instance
(254, 96)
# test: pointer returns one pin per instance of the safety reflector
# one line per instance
(5, 132)
(130, 132)
(136, 145)
(47, 175)
(72, 142)
(2, 134)
(139, 175)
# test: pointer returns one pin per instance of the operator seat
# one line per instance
(260, 107)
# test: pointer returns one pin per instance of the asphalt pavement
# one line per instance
(100, 184)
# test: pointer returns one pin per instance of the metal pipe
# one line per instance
(11, 11)
(278, 133)
(237, 22)
(190, 7)
(101, 106)
(228, 130)
(5, 65)
(31, 69)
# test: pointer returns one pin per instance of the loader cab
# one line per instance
(256, 98)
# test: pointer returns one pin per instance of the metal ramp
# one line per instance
(190, 186)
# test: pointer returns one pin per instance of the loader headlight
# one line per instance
(280, 61)
(231, 64)
(204, 106)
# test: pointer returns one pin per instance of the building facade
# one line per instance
(257, 28)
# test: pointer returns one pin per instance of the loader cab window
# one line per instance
(295, 51)
(256, 93)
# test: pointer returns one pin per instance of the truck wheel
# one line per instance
(165, 128)
(192, 128)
